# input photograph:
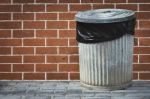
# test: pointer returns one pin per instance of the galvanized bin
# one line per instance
(105, 64)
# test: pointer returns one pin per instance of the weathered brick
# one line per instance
(57, 76)
(23, 33)
(57, 42)
(57, 7)
(23, 16)
(23, 67)
(33, 24)
(69, 67)
(46, 33)
(23, 50)
(34, 59)
(46, 50)
(57, 59)
(5, 50)
(34, 76)
(68, 50)
(10, 59)
(46, 67)
(33, 8)
(5, 67)
(5, 16)
(34, 42)
(10, 8)
(10, 25)
(10, 76)
(57, 25)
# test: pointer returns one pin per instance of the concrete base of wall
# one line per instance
(68, 90)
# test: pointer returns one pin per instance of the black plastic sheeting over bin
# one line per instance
(103, 29)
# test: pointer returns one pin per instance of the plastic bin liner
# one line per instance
(100, 32)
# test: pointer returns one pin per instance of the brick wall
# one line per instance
(37, 38)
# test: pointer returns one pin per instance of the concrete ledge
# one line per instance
(68, 90)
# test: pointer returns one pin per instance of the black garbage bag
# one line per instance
(100, 32)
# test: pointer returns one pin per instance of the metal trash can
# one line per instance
(105, 40)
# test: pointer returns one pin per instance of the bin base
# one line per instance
(107, 88)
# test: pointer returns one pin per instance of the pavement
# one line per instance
(68, 90)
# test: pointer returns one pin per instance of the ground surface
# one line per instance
(68, 90)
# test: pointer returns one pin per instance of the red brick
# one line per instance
(142, 15)
(10, 76)
(144, 76)
(69, 67)
(57, 42)
(138, 1)
(5, 50)
(142, 50)
(34, 76)
(57, 76)
(67, 16)
(142, 33)
(144, 7)
(141, 67)
(57, 59)
(34, 59)
(144, 59)
(57, 24)
(23, 50)
(10, 25)
(67, 33)
(102, 6)
(144, 41)
(23, 33)
(5, 16)
(72, 25)
(46, 50)
(5, 33)
(73, 42)
(23, 16)
(34, 25)
(144, 24)
(10, 59)
(33, 8)
(74, 76)
(23, 67)
(46, 1)
(23, 1)
(135, 58)
(46, 16)
(69, 1)
(135, 76)
(74, 59)
(5, 67)
(115, 1)
(68, 50)
(10, 42)
(46, 67)
(57, 7)
(5, 1)
(34, 42)
(127, 6)
(46, 33)
(91, 1)
(10, 8)
(135, 41)
(79, 7)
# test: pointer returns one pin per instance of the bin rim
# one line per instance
(105, 16)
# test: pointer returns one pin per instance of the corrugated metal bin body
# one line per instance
(107, 65)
